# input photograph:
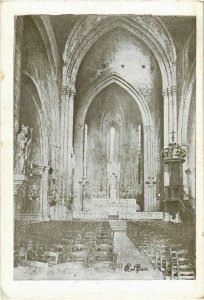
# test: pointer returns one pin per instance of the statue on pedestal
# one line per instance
(24, 140)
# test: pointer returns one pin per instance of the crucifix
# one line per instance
(173, 135)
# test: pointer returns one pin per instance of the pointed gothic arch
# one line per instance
(149, 155)
(186, 97)
(42, 164)
(47, 34)
(153, 37)
(158, 40)
(42, 116)
(46, 31)
(103, 83)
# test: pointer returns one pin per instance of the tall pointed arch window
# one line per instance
(112, 143)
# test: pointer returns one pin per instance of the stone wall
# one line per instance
(44, 97)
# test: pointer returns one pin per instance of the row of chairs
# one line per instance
(104, 258)
(92, 246)
(166, 253)
(70, 247)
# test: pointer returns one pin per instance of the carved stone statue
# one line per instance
(34, 187)
(24, 140)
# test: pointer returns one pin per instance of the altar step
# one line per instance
(120, 216)
(118, 225)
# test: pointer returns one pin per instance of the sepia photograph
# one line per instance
(101, 150)
(104, 147)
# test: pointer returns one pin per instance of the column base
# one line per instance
(31, 218)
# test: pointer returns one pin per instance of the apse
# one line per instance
(119, 54)
(114, 140)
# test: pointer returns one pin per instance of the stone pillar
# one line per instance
(17, 72)
(170, 122)
(65, 145)
(170, 114)
(66, 142)
(166, 118)
(78, 171)
(61, 166)
(149, 169)
(85, 150)
(42, 171)
(174, 110)
(146, 197)
(45, 193)
(72, 93)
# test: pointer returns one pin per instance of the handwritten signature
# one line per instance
(136, 268)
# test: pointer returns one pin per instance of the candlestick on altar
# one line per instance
(139, 136)
(85, 149)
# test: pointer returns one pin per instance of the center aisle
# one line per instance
(127, 253)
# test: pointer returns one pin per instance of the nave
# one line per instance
(105, 147)
(114, 249)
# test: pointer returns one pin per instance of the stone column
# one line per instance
(146, 196)
(166, 117)
(170, 114)
(70, 151)
(66, 142)
(78, 171)
(17, 73)
(170, 117)
(45, 193)
(174, 111)
(170, 120)
(61, 166)
(65, 145)
(149, 169)
(85, 150)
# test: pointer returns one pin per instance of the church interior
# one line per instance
(104, 147)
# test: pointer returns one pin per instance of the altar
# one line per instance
(112, 181)
(114, 206)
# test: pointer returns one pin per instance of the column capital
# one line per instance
(168, 91)
(68, 91)
(148, 127)
(79, 126)
(164, 92)
(173, 89)
(57, 145)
